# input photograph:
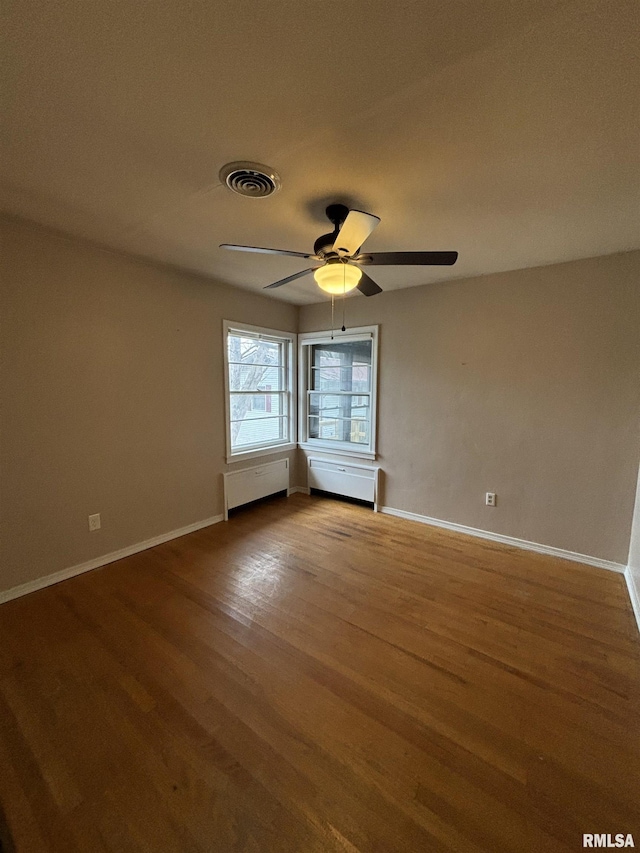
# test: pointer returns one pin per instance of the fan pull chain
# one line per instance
(332, 305)
(344, 300)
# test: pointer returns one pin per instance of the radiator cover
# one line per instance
(348, 479)
(251, 484)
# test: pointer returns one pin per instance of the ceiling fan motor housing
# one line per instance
(336, 213)
(323, 245)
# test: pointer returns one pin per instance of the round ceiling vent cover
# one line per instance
(253, 180)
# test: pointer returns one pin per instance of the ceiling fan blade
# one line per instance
(355, 230)
(408, 258)
(368, 286)
(265, 251)
(289, 278)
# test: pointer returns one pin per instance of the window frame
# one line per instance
(343, 448)
(289, 339)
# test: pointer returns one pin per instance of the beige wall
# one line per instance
(112, 399)
(522, 383)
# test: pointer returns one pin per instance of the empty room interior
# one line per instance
(320, 426)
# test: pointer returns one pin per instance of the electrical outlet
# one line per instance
(490, 499)
(94, 522)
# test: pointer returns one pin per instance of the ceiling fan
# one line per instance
(339, 254)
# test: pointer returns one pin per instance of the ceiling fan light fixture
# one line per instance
(337, 278)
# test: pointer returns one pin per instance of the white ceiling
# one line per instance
(505, 130)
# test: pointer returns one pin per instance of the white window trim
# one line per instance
(316, 444)
(291, 443)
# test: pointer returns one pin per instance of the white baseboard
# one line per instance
(634, 594)
(64, 574)
(302, 490)
(508, 540)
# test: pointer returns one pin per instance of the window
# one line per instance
(259, 387)
(338, 382)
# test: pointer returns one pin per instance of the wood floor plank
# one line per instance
(313, 677)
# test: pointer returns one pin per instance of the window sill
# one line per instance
(340, 451)
(262, 451)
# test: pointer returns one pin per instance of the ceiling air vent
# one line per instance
(253, 180)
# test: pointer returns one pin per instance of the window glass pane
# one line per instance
(336, 354)
(259, 395)
(248, 406)
(336, 411)
(350, 406)
(254, 377)
(341, 366)
(338, 429)
(260, 431)
(355, 378)
(248, 350)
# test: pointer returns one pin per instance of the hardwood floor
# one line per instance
(314, 677)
